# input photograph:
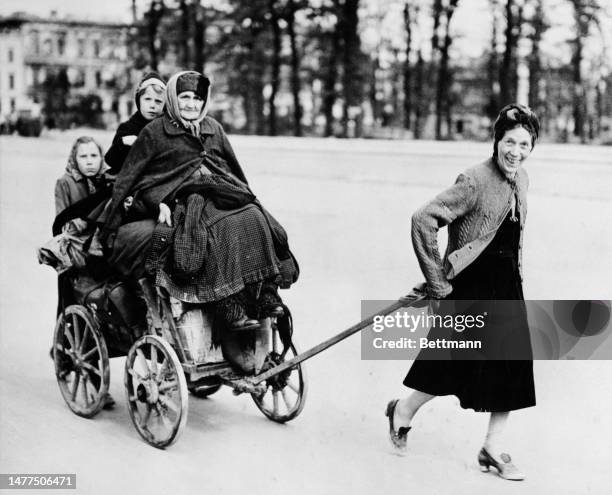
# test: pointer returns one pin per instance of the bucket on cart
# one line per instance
(195, 330)
(247, 349)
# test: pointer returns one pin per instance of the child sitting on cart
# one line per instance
(84, 178)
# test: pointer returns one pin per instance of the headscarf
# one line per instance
(187, 81)
(512, 116)
(72, 167)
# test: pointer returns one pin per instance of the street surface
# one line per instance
(346, 206)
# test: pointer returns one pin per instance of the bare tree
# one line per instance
(442, 85)
(409, 20)
(585, 17)
(153, 19)
(292, 7)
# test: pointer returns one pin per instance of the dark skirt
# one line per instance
(487, 385)
(239, 251)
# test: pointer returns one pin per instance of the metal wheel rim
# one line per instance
(284, 404)
(156, 391)
(80, 359)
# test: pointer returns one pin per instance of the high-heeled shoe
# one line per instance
(398, 438)
(506, 469)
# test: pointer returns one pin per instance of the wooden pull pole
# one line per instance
(407, 301)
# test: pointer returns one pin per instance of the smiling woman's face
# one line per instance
(512, 150)
(190, 105)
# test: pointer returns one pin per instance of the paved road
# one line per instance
(346, 206)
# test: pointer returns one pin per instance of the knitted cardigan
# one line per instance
(473, 208)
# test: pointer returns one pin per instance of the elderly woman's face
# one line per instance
(512, 150)
(190, 105)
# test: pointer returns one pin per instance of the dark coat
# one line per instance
(161, 159)
(118, 152)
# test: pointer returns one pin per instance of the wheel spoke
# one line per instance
(145, 419)
(136, 375)
(170, 405)
(292, 386)
(163, 418)
(275, 402)
(153, 359)
(84, 389)
(68, 335)
(286, 400)
(89, 353)
(168, 386)
(75, 385)
(162, 371)
(143, 359)
(93, 369)
(77, 332)
(86, 332)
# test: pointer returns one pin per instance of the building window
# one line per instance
(35, 40)
(11, 81)
(81, 47)
(61, 43)
(96, 48)
(12, 105)
(10, 55)
(47, 48)
(98, 79)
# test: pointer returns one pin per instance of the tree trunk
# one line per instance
(506, 76)
(407, 69)
(276, 63)
(185, 57)
(351, 80)
(493, 71)
(331, 75)
(442, 86)
(156, 11)
(534, 61)
(295, 69)
(199, 37)
(418, 94)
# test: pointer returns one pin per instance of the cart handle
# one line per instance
(416, 295)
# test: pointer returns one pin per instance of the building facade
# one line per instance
(48, 65)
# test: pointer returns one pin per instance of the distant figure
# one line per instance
(485, 212)
(150, 98)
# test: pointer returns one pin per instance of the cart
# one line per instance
(174, 357)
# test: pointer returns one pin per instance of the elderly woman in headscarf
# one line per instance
(184, 193)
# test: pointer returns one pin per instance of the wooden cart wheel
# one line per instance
(81, 361)
(157, 391)
(285, 393)
(204, 391)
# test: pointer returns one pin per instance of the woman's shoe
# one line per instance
(505, 469)
(245, 323)
(397, 437)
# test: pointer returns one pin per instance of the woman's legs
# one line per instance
(407, 408)
(497, 425)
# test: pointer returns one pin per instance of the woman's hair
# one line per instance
(72, 161)
(513, 116)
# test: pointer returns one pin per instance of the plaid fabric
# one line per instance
(238, 250)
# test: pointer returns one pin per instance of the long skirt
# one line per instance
(486, 385)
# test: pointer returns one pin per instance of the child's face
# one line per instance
(88, 159)
(151, 104)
